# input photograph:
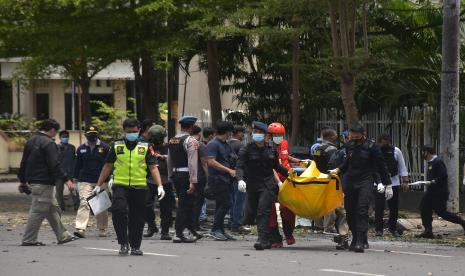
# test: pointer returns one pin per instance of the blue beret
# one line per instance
(188, 120)
(345, 133)
(261, 126)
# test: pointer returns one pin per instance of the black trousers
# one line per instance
(167, 205)
(199, 200)
(393, 205)
(356, 202)
(437, 203)
(223, 201)
(186, 202)
(128, 213)
(258, 209)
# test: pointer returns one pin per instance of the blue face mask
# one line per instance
(132, 137)
(258, 137)
(64, 140)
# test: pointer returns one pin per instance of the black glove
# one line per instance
(24, 188)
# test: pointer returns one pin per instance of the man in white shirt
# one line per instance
(397, 170)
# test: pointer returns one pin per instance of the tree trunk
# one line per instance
(295, 91)
(84, 83)
(148, 87)
(214, 81)
(449, 130)
(347, 95)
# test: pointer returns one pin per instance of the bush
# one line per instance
(109, 121)
(18, 128)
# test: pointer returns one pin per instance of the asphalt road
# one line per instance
(311, 255)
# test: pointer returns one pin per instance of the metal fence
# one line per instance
(410, 128)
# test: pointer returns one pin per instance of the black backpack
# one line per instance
(391, 161)
(321, 157)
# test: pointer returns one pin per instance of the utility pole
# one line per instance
(449, 131)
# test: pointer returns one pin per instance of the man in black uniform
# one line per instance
(255, 164)
(182, 170)
(437, 194)
(157, 134)
(152, 228)
(364, 160)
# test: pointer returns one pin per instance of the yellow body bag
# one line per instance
(312, 194)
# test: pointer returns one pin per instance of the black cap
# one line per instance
(91, 129)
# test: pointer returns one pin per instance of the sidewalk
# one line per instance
(8, 178)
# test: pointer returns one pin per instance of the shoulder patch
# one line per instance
(119, 149)
(141, 150)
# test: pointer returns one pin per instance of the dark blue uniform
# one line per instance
(90, 162)
(255, 166)
(436, 196)
(363, 162)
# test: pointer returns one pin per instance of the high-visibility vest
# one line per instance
(130, 166)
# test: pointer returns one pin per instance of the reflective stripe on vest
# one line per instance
(130, 165)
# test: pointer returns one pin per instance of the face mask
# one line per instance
(64, 140)
(92, 138)
(358, 141)
(132, 137)
(258, 137)
(278, 140)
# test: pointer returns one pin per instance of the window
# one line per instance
(6, 97)
(42, 106)
(98, 83)
(108, 83)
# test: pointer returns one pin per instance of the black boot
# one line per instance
(150, 232)
(165, 237)
(124, 250)
(353, 243)
(365, 241)
(342, 242)
(360, 244)
(197, 235)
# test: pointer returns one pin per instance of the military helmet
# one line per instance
(157, 132)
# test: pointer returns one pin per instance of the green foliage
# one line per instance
(18, 128)
(109, 122)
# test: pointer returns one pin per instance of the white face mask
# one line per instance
(278, 139)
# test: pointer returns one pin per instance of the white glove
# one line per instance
(161, 192)
(241, 186)
(280, 183)
(110, 182)
(96, 190)
(335, 171)
(463, 180)
(389, 193)
(380, 188)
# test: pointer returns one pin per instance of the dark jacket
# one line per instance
(437, 174)
(39, 163)
(364, 161)
(255, 166)
(90, 162)
(67, 158)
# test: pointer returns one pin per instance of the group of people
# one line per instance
(242, 179)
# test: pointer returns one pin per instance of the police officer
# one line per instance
(255, 164)
(364, 160)
(182, 170)
(130, 159)
(156, 136)
(67, 159)
(323, 157)
(437, 194)
(90, 161)
(152, 228)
